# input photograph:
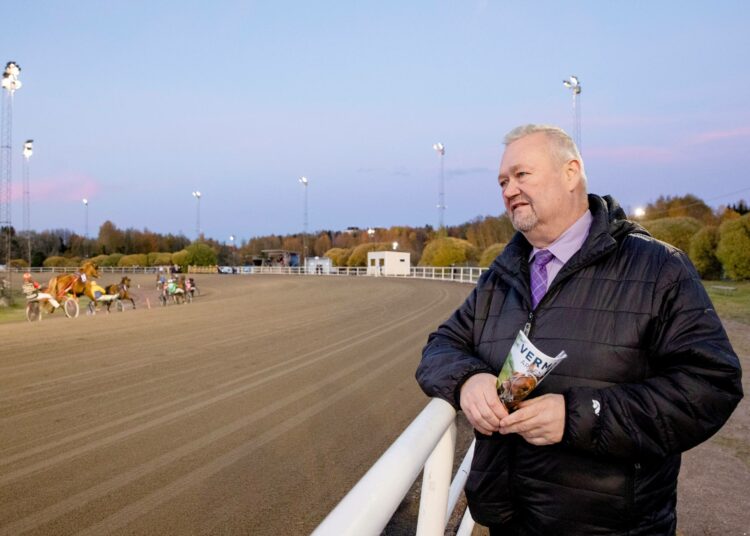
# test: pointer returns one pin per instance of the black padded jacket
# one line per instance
(650, 373)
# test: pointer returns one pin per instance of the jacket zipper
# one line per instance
(529, 322)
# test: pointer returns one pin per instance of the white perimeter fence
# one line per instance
(428, 443)
(457, 274)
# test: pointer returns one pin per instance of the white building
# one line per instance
(317, 265)
(388, 263)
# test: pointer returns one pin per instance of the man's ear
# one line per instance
(572, 172)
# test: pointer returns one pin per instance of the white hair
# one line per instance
(564, 145)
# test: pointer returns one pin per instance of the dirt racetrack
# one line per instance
(250, 411)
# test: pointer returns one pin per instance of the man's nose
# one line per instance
(511, 189)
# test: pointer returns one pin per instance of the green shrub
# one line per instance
(358, 256)
(100, 260)
(448, 251)
(180, 258)
(200, 254)
(734, 247)
(113, 259)
(19, 263)
(59, 262)
(338, 256)
(159, 259)
(137, 259)
(675, 231)
(703, 252)
(490, 253)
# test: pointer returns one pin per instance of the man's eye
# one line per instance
(522, 173)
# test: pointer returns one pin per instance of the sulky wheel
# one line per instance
(33, 311)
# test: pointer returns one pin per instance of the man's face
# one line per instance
(536, 193)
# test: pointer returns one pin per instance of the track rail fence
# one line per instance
(428, 443)
(456, 274)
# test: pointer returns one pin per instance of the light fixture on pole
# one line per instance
(304, 182)
(639, 212)
(394, 245)
(10, 83)
(85, 225)
(28, 150)
(440, 148)
(197, 196)
(574, 85)
(231, 240)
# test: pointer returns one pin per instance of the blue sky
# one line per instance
(136, 104)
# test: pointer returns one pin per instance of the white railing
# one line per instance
(429, 442)
(456, 274)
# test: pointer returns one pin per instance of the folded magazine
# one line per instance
(525, 368)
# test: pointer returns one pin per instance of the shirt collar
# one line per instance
(568, 243)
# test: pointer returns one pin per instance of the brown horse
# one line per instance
(74, 284)
(122, 290)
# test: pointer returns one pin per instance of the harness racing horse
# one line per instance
(74, 284)
(122, 290)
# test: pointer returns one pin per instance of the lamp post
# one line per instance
(574, 85)
(28, 150)
(304, 182)
(231, 241)
(10, 83)
(440, 149)
(197, 196)
(85, 225)
(394, 245)
(639, 212)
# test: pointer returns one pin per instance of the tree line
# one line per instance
(718, 242)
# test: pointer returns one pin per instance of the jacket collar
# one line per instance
(609, 225)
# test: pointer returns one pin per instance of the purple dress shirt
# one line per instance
(566, 245)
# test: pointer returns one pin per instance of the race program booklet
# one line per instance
(525, 368)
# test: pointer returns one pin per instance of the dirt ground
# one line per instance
(252, 410)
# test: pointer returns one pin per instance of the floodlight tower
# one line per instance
(197, 196)
(234, 261)
(10, 84)
(304, 182)
(574, 85)
(28, 150)
(85, 225)
(440, 148)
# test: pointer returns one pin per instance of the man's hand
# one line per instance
(480, 403)
(540, 421)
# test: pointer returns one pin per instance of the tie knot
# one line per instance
(542, 257)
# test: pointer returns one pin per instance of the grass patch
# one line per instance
(734, 304)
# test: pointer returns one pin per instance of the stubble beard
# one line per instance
(524, 222)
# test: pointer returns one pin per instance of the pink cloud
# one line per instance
(707, 137)
(66, 187)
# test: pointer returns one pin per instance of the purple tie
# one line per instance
(539, 276)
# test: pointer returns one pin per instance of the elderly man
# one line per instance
(650, 373)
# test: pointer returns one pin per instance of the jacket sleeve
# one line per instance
(693, 386)
(449, 358)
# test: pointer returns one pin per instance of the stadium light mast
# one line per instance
(440, 149)
(197, 196)
(10, 84)
(231, 240)
(304, 182)
(574, 85)
(28, 150)
(85, 225)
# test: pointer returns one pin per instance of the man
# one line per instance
(595, 449)
(33, 291)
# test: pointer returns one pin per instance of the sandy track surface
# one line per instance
(250, 411)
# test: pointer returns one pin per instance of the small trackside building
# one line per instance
(388, 263)
(318, 265)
